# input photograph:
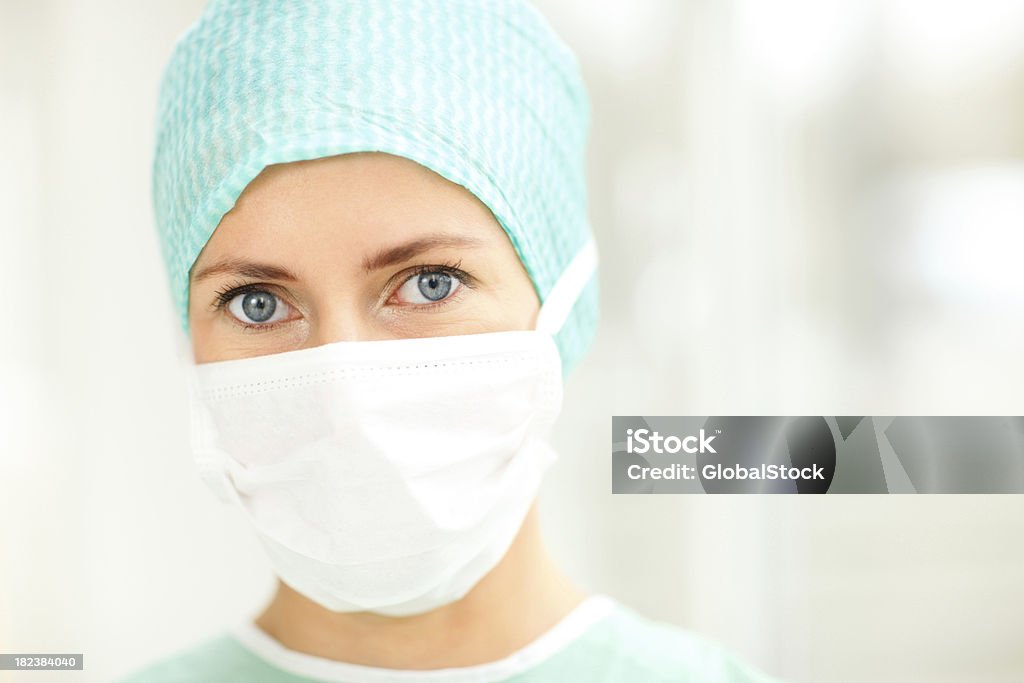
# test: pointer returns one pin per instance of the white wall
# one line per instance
(804, 207)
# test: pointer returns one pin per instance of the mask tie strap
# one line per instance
(567, 289)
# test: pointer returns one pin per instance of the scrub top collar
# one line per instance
(591, 610)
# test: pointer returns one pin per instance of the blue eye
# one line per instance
(428, 287)
(434, 286)
(257, 307)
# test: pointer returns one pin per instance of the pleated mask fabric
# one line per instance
(482, 92)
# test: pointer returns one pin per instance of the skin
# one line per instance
(320, 238)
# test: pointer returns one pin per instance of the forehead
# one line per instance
(346, 205)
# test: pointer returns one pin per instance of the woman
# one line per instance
(373, 216)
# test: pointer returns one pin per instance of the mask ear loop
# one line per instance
(567, 289)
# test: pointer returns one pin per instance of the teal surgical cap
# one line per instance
(480, 91)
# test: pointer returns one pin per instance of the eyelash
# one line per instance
(450, 269)
(226, 294)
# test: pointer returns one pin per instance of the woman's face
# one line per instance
(353, 248)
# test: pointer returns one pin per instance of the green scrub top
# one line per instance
(599, 641)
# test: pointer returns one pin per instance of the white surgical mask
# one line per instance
(387, 476)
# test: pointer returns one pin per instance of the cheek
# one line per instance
(210, 342)
(516, 305)
(204, 343)
(201, 351)
(218, 340)
(201, 329)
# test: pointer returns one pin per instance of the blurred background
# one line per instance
(803, 207)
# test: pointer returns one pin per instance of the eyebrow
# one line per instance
(381, 259)
(250, 269)
(407, 250)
